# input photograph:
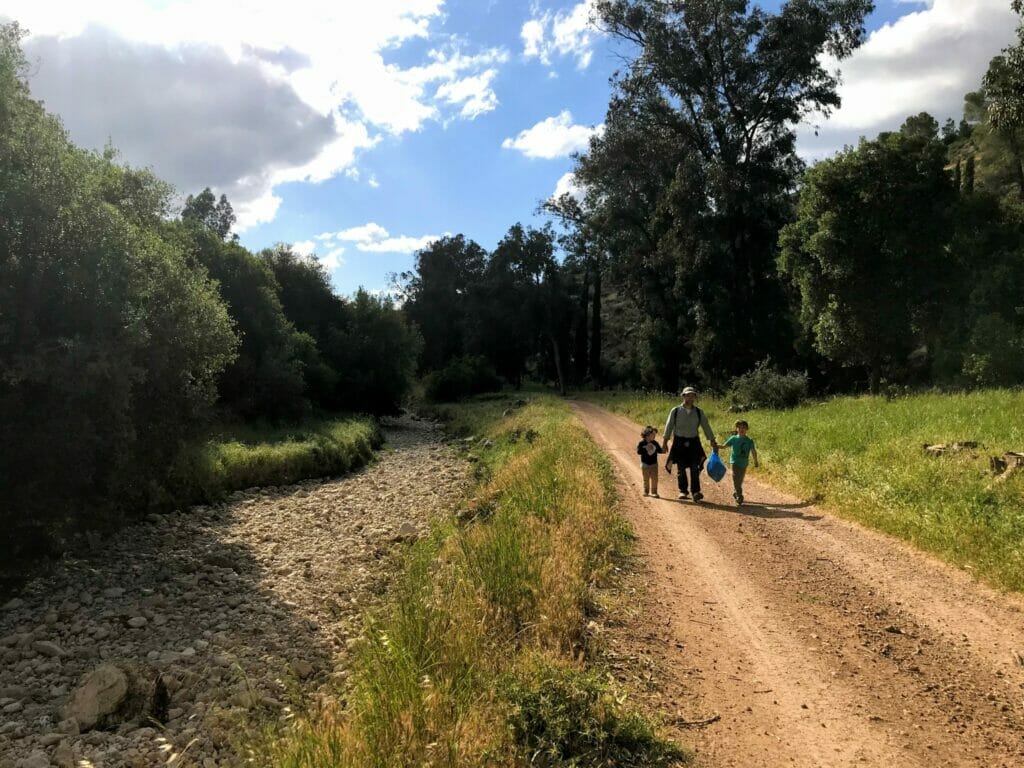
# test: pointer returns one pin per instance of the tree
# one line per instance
(110, 343)
(205, 209)
(869, 250)
(692, 179)
(438, 297)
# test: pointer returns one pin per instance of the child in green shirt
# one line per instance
(742, 449)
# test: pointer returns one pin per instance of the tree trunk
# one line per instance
(558, 364)
(595, 327)
(582, 361)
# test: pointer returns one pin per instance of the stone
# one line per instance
(37, 759)
(69, 726)
(113, 592)
(407, 531)
(138, 622)
(47, 648)
(64, 755)
(97, 697)
(302, 669)
(13, 604)
(13, 707)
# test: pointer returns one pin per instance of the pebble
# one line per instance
(222, 594)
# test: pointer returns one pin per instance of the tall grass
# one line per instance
(251, 456)
(476, 661)
(862, 457)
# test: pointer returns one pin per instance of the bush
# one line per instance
(565, 717)
(461, 378)
(765, 387)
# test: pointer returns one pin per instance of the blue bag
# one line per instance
(716, 468)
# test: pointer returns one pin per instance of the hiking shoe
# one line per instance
(698, 496)
(739, 501)
(684, 495)
(655, 495)
(646, 493)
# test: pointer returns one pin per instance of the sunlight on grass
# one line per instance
(862, 456)
(476, 661)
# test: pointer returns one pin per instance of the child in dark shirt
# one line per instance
(649, 448)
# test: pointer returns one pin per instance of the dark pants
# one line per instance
(688, 456)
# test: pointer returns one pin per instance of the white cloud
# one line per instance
(373, 238)
(566, 33)
(332, 259)
(925, 61)
(304, 247)
(364, 234)
(302, 87)
(553, 137)
(566, 185)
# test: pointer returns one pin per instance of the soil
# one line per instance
(809, 640)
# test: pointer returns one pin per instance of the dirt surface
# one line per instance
(242, 609)
(816, 641)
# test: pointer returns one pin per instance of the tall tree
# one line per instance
(692, 178)
(869, 250)
(206, 209)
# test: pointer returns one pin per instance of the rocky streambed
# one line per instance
(177, 630)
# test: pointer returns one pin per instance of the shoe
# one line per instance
(698, 496)
(739, 501)
(684, 495)
(646, 493)
(655, 495)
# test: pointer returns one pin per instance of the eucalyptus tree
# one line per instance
(695, 172)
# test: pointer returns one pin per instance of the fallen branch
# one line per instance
(695, 723)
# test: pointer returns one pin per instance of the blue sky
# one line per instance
(358, 131)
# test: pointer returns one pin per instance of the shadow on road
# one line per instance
(753, 509)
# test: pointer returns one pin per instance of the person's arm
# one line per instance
(753, 452)
(640, 448)
(670, 425)
(706, 426)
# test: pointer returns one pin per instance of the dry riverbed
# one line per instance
(212, 617)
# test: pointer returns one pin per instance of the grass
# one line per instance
(478, 658)
(862, 458)
(250, 456)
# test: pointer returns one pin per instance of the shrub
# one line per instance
(461, 378)
(765, 387)
(565, 717)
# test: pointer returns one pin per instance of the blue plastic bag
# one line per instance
(716, 468)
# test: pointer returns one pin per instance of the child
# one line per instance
(742, 448)
(649, 448)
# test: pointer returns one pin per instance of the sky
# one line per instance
(360, 131)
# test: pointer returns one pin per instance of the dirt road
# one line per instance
(818, 642)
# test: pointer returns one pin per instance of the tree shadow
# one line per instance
(248, 605)
(755, 509)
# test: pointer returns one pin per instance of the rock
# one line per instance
(64, 755)
(13, 707)
(97, 697)
(48, 648)
(113, 592)
(138, 622)
(69, 726)
(13, 604)
(407, 531)
(302, 669)
(37, 759)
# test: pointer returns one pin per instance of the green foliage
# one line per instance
(565, 717)
(110, 343)
(862, 457)
(206, 211)
(690, 183)
(248, 457)
(766, 387)
(868, 251)
(472, 661)
(461, 378)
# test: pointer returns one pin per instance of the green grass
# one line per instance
(476, 661)
(862, 457)
(251, 456)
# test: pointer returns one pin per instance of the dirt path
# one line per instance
(242, 608)
(818, 642)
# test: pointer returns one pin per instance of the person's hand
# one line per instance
(668, 467)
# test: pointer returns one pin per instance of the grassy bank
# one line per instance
(862, 457)
(478, 658)
(248, 456)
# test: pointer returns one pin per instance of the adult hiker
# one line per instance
(687, 453)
